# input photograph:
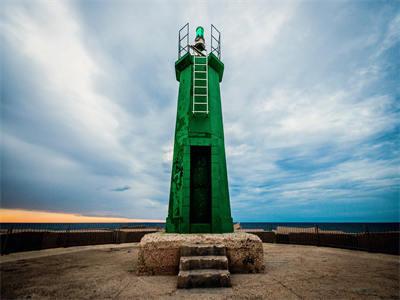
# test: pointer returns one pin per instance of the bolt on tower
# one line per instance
(199, 195)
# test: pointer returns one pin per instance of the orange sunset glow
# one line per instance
(30, 216)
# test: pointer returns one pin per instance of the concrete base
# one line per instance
(159, 253)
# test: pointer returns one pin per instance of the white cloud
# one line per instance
(306, 106)
(54, 44)
(392, 35)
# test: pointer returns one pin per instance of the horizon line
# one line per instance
(8, 215)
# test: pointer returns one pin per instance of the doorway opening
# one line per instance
(200, 184)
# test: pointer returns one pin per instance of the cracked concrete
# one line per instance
(109, 271)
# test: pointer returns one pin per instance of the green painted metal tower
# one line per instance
(199, 195)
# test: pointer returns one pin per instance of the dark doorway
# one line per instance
(200, 184)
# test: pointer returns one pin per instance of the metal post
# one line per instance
(117, 235)
(366, 232)
(66, 243)
(4, 247)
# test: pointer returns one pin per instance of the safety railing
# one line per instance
(16, 237)
(183, 35)
(373, 237)
(215, 41)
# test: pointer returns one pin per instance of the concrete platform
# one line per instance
(109, 272)
(159, 253)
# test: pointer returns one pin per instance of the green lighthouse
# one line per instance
(199, 195)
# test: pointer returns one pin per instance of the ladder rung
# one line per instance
(200, 71)
(203, 95)
(202, 103)
(200, 79)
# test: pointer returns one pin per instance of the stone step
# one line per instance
(203, 262)
(202, 250)
(204, 278)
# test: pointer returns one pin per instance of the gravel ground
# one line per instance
(109, 272)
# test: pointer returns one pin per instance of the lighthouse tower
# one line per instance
(199, 195)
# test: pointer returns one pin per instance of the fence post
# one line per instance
(116, 235)
(66, 243)
(317, 233)
(366, 232)
(4, 249)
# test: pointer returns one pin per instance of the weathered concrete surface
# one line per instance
(202, 250)
(204, 278)
(203, 262)
(291, 272)
(160, 252)
(203, 266)
(12, 257)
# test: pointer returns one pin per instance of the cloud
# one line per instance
(310, 105)
(392, 35)
(65, 119)
(121, 189)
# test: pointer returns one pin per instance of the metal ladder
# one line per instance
(200, 85)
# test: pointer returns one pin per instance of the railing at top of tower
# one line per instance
(183, 41)
(217, 49)
(181, 37)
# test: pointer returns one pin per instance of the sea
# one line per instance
(345, 227)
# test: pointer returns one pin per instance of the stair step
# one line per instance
(203, 262)
(202, 250)
(204, 278)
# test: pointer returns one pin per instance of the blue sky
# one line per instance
(310, 100)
